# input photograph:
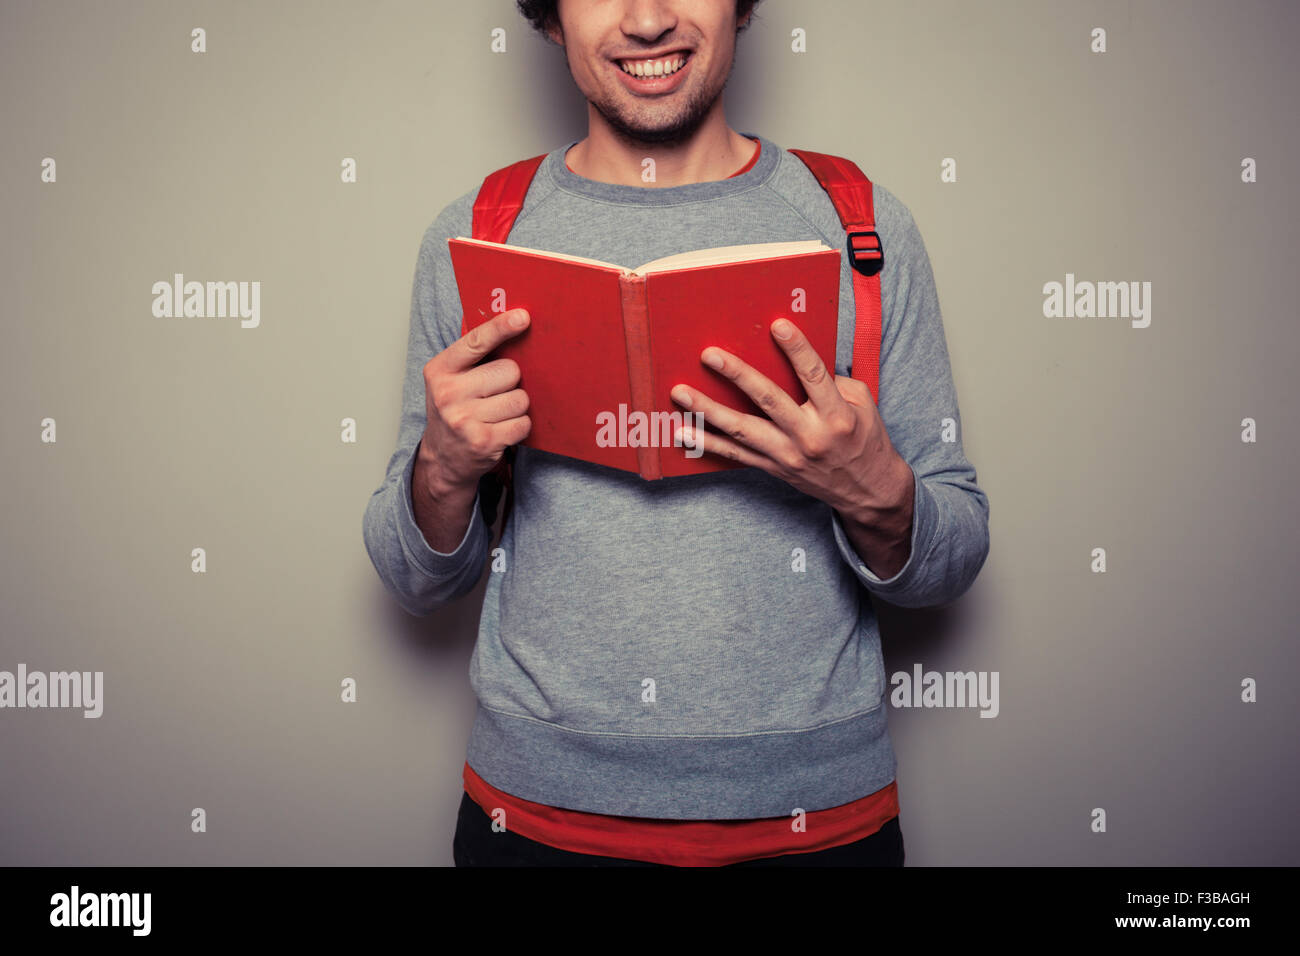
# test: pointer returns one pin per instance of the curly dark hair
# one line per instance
(543, 14)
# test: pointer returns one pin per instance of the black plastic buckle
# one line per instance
(868, 261)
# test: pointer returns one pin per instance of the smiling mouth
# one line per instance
(650, 67)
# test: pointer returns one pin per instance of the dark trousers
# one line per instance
(475, 844)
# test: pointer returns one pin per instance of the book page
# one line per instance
(720, 254)
(543, 252)
(681, 260)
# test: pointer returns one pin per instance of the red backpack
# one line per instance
(502, 196)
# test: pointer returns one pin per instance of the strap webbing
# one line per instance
(850, 193)
(496, 207)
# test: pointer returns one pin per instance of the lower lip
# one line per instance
(652, 85)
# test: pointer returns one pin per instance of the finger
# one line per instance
(501, 408)
(757, 433)
(765, 393)
(855, 391)
(512, 431)
(490, 378)
(470, 348)
(808, 365)
(691, 437)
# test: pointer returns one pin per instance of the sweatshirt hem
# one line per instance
(684, 777)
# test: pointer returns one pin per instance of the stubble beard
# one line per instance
(677, 131)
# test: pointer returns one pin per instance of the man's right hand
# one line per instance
(474, 412)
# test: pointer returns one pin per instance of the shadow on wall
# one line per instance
(441, 640)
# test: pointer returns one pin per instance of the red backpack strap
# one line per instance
(496, 207)
(850, 192)
(501, 197)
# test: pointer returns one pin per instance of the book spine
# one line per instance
(636, 334)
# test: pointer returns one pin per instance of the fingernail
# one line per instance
(713, 360)
(519, 319)
(782, 329)
(682, 397)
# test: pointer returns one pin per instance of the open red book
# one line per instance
(606, 344)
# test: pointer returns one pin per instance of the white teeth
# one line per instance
(662, 67)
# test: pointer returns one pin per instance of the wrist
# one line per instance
(431, 480)
(888, 508)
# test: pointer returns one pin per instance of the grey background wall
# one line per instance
(1119, 690)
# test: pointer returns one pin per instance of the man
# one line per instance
(684, 671)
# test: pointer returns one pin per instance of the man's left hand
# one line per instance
(833, 447)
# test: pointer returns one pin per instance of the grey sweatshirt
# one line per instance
(655, 648)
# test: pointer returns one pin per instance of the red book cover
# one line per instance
(606, 344)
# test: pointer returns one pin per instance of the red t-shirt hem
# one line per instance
(685, 842)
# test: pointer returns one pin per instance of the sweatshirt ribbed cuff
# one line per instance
(925, 519)
(437, 564)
